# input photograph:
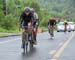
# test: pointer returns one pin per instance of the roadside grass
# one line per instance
(46, 28)
(9, 31)
(4, 35)
(4, 32)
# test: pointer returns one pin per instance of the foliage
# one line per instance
(44, 8)
(61, 8)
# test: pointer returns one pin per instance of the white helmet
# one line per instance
(32, 9)
(27, 9)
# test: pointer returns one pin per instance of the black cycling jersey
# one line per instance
(52, 22)
(24, 19)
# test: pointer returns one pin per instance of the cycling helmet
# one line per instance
(32, 9)
(65, 21)
(27, 9)
(52, 18)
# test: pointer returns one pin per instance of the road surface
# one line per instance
(61, 47)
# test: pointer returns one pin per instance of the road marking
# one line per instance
(9, 41)
(60, 44)
(56, 59)
(52, 52)
(58, 53)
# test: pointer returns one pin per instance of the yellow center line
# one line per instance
(58, 53)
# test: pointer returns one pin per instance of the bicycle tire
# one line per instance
(51, 32)
(31, 42)
(25, 42)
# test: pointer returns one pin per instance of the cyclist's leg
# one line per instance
(30, 36)
(23, 31)
(23, 35)
(37, 28)
(65, 28)
(52, 31)
(34, 35)
(49, 29)
(34, 32)
(30, 30)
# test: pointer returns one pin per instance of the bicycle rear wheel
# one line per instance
(51, 32)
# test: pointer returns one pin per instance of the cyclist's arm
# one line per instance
(21, 21)
(48, 24)
(37, 19)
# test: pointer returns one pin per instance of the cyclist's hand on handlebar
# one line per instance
(29, 24)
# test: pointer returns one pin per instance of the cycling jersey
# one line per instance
(52, 22)
(24, 19)
(35, 20)
(65, 23)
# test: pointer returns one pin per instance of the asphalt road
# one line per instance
(61, 47)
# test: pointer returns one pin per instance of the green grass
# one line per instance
(9, 31)
(46, 28)
(4, 32)
(3, 35)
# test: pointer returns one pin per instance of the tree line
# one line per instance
(10, 11)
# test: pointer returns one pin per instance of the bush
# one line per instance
(9, 22)
(2, 30)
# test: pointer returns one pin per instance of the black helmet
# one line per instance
(27, 9)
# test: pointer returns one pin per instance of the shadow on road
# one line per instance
(29, 54)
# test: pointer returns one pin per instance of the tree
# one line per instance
(35, 5)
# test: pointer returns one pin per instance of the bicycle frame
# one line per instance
(27, 42)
